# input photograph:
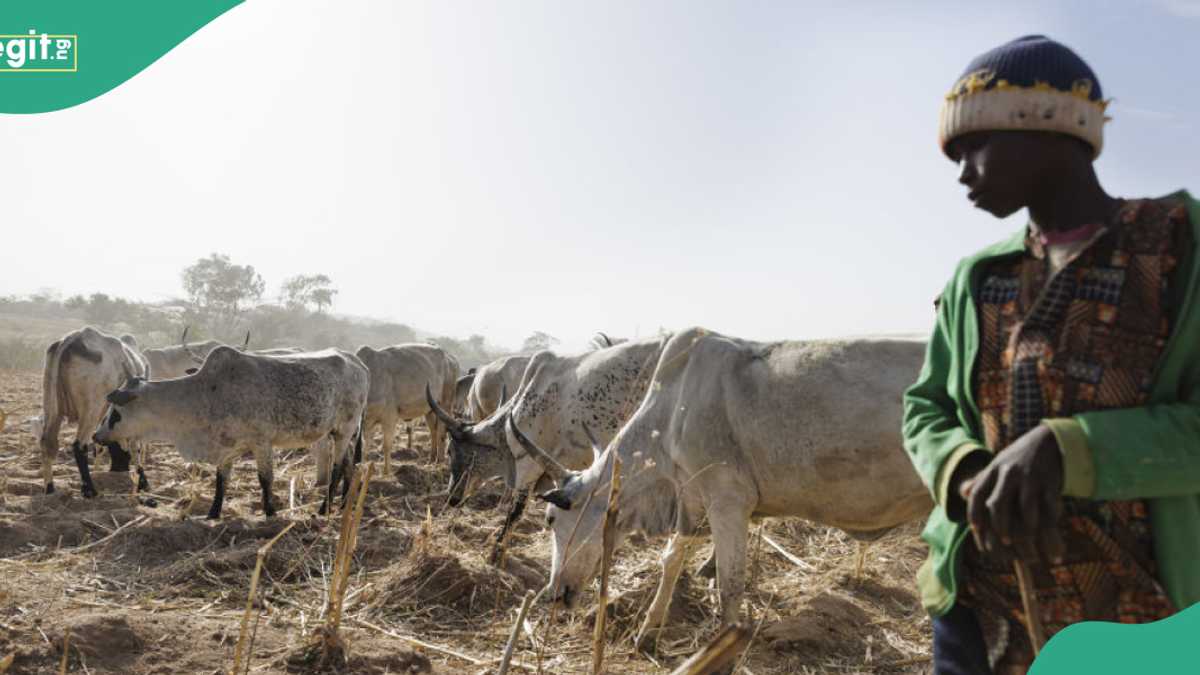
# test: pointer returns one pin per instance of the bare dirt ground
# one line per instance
(166, 593)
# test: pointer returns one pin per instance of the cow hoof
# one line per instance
(49, 488)
(152, 503)
(213, 516)
(709, 569)
(89, 492)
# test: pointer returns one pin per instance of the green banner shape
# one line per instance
(80, 49)
(1099, 647)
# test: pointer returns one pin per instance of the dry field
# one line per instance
(166, 593)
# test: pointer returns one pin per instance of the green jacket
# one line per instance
(1150, 452)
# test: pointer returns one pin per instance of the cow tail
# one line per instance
(358, 438)
(53, 401)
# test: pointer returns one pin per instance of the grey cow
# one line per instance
(398, 375)
(80, 369)
(732, 429)
(238, 403)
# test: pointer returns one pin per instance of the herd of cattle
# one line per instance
(707, 430)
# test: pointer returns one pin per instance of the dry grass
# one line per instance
(166, 594)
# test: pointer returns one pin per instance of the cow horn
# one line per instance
(183, 338)
(607, 340)
(557, 471)
(195, 357)
(452, 423)
(597, 449)
(247, 342)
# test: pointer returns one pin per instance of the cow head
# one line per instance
(478, 452)
(128, 415)
(575, 516)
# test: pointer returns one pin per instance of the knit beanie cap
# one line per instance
(1031, 83)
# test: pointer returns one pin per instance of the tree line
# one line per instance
(225, 300)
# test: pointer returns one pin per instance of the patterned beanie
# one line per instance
(1031, 83)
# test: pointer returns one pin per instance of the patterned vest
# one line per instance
(1088, 337)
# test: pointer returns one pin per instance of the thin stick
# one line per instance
(62, 667)
(80, 549)
(788, 556)
(292, 494)
(1033, 613)
(609, 539)
(720, 652)
(424, 645)
(262, 554)
(516, 631)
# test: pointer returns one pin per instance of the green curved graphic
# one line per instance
(1097, 647)
(80, 49)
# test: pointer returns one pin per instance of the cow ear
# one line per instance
(121, 397)
(191, 371)
(558, 498)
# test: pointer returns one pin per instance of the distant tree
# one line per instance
(538, 341)
(218, 287)
(101, 309)
(303, 290)
(75, 302)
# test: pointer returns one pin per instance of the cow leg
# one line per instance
(730, 521)
(322, 450)
(673, 559)
(49, 454)
(434, 426)
(143, 485)
(266, 476)
(408, 427)
(85, 475)
(334, 477)
(514, 514)
(347, 476)
(119, 458)
(214, 512)
(389, 439)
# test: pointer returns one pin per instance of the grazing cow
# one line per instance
(491, 381)
(80, 369)
(238, 403)
(557, 395)
(732, 429)
(398, 374)
(462, 389)
(182, 359)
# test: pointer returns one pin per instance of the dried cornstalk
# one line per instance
(719, 653)
(331, 643)
(516, 632)
(262, 554)
(62, 667)
(609, 539)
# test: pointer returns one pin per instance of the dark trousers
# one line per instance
(958, 646)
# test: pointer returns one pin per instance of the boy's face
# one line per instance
(1004, 170)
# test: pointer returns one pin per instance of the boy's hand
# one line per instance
(1013, 505)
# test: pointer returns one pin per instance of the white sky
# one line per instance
(768, 170)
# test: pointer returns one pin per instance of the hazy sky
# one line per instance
(765, 169)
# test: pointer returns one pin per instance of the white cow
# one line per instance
(81, 368)
(731, 429)
(493, 383)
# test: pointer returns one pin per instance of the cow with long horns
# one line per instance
(556, 396)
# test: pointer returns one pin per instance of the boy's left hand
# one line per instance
(1013, 505)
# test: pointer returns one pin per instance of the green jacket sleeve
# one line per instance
(1098, 462)
(934, 437)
